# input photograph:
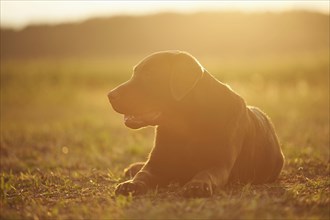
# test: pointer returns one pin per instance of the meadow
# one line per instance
(63, 148)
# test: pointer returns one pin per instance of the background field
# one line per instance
(63, 148)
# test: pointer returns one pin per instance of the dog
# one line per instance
(206, 135)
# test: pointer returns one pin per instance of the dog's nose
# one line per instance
(113, 95)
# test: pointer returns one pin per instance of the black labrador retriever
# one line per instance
(206, 135)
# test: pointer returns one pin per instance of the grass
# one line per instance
(63, 148)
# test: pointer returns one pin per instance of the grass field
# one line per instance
(63, 148)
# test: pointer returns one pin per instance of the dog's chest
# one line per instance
(186, 152)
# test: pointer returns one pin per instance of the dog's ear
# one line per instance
(185, 73)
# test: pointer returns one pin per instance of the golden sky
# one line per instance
(18, 14)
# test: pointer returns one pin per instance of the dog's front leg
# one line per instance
(140, 184)
(204, 182)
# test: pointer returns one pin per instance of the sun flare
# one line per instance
(18, 14)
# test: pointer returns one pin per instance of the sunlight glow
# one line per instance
(18, 14)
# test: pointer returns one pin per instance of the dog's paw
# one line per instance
(127, 187)
(197, 189)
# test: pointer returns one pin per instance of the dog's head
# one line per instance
(158, 81)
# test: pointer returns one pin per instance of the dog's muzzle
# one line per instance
(137, 120)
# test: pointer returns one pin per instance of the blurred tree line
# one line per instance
(217, 34)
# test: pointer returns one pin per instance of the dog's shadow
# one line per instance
(235, 190)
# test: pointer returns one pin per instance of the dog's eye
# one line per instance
(147, 74)
(144, 76)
